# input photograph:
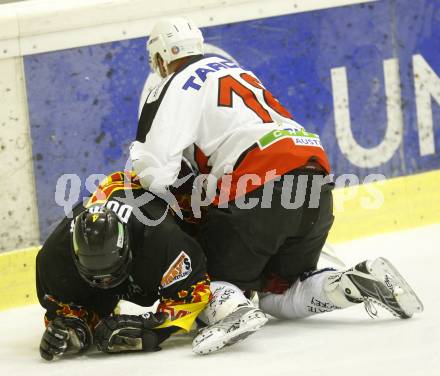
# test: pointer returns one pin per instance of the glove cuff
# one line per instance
(150, 340)
(81, 336)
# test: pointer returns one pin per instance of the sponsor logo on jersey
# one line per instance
(299, 137)
(307, 141)
(179, 270)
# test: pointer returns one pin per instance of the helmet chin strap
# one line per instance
(167, 72)
(161, 64)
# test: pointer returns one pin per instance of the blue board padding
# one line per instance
(83, 106)
(83, 102)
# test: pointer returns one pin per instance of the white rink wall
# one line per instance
(38, 26)
(18, 219)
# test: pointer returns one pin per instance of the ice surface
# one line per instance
(340, 343)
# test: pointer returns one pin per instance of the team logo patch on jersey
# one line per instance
(179, 270)
(299, 137)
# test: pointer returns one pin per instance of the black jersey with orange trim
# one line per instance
(168, 264)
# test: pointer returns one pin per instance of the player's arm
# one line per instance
(68, 326)
(121, 333)
(182, 190)
(157, 153)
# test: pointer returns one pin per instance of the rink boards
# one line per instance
(355, 212)
(381, 58)
(363, 76)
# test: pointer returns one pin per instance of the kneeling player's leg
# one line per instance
(305, 297)
(295, 265)
(235, 244)
(376, 281)
(312, 292)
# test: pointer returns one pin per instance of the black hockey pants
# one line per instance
(245, 245)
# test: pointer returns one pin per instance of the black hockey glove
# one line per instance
(65, 334)
(120, 333)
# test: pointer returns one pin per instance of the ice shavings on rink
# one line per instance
(345, 342)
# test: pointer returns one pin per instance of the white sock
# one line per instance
(307, 296)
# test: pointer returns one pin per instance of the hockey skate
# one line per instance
(376, 282)
(235, 327)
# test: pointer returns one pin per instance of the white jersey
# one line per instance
(212, 112)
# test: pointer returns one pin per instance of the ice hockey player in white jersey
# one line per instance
(270, 211)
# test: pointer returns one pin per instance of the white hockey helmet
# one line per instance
(174, 38)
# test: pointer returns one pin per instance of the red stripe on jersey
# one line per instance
(275, 160)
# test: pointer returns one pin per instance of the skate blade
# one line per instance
(214, 339)
(407, 299)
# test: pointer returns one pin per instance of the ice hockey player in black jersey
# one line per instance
(257, 233)
(103, 254)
